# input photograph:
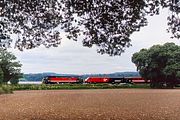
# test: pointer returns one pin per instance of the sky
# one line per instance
(72, 58)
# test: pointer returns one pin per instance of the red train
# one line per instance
(75, 79)
(97, 80)
(60, 79)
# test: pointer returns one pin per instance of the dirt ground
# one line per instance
(115, 104)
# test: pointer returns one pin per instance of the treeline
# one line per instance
(40, 76)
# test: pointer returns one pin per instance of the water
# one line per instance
(30, 82)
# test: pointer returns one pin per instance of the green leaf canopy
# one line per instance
(160, 63)
(10, 69)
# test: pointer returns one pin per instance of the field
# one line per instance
(97, 104)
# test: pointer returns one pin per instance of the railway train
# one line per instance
(76, 79)
(60, 79)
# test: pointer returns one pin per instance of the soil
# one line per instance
(108, 104)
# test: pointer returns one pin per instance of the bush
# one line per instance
(5, 89)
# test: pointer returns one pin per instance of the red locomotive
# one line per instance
(97, 80)
(60, 79)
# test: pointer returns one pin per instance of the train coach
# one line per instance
(60, 79)
(137, 80)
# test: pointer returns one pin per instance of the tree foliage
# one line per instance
(105, 23)
(160, 64)
(10, 69)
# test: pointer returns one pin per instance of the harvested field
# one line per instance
(114, 104)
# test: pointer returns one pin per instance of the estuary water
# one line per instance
(30, 82)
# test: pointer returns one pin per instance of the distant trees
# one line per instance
(10, 69)
(107, 24)
(160, 64)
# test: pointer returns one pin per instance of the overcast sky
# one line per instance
(71, 57)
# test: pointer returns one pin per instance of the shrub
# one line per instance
(5, 89)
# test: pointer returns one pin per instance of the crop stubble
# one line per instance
(109, 104)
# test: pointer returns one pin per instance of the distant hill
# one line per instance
(40, 76)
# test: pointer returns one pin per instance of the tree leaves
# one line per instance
(160, 63)
(107, 24)
(10, 69)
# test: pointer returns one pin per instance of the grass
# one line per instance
(10, 88)
(75, 86)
